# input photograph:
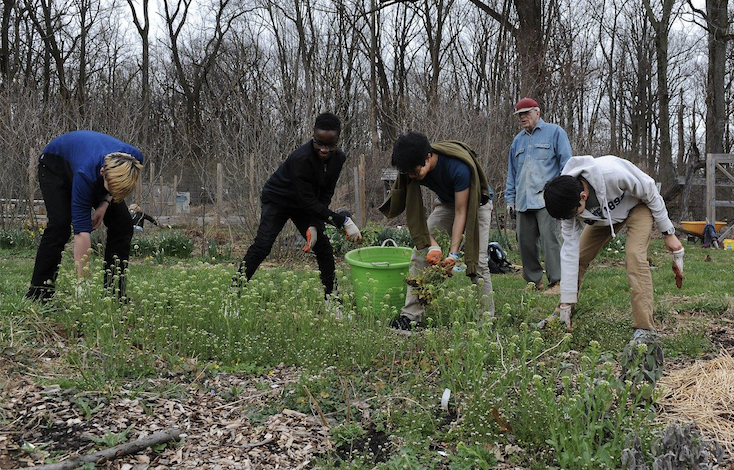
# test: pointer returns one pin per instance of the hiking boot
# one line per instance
(553, 289)
(642, 362)
(402, 325)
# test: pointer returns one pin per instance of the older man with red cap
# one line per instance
(537, 155)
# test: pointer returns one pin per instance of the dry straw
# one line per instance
(704, 393)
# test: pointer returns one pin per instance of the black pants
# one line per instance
(54, 177)
(272, 221)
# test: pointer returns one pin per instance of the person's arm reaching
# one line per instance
(82, 246)
(461, 205)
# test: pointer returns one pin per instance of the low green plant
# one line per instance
(615, 249)
(111, 439)
(175, 244)
(144, 245)
(691, 342)
(592, 414)
(471, 457)
(676, 448)
(346, 436)
(17, 238)
(216, 252)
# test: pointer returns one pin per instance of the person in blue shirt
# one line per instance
(463, 207)
(537, 155)
(84, 177)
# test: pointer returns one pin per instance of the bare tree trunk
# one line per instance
(143, 28)
(662, 27)
(5, 40)
(716, 119)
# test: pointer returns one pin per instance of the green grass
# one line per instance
(554, 395)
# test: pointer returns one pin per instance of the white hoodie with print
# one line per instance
(619, 186)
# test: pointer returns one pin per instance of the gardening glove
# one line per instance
(678, 267)
(434, 255)
(310, 239)
(560, 313)
(450, 261)
(511, 210)
(351, 230)
(565, 315)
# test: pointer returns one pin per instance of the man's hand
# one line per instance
(672, 242)
(310, 239)
(678, 267)
(511, 210)
(352, 231)
(450, 261)
(434, 255)
(99, 213)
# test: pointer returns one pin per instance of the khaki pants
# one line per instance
(442, 218)
(639, 228)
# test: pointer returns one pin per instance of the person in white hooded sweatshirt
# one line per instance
(595, 198)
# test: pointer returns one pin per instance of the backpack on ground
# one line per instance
(497, 259)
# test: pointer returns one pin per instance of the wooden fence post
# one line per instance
(151, 191)
(175, 194)
(220, 181)
(357, 193)
(362, 193)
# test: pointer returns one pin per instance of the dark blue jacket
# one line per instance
(85, 152)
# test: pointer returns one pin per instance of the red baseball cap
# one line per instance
(525, 104)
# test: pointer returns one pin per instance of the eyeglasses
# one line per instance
(322, 145)
(415, 171)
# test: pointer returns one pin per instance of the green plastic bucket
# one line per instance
(378, 271)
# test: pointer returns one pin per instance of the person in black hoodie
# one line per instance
(139, 217)
(301, 190)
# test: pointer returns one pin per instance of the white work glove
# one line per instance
(565, 315)
(434, 255)
(511, 210)
(678, 267)
(310, 239)
(352, 231)
(560, 313)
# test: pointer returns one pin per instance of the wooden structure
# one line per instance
(714, 162)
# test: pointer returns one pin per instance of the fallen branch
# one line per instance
(115, 452)
(318, 408)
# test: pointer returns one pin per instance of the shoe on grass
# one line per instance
(402, 325)
(553, 289)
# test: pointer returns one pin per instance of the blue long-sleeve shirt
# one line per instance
(85, 151)
(535, 158)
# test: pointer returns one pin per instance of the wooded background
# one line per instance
(193, 84)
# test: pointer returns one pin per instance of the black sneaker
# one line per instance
(402, 325)
(40, 294)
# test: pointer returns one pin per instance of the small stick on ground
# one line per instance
(318, 408)
(115, 452)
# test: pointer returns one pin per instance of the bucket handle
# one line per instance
(390, 240)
